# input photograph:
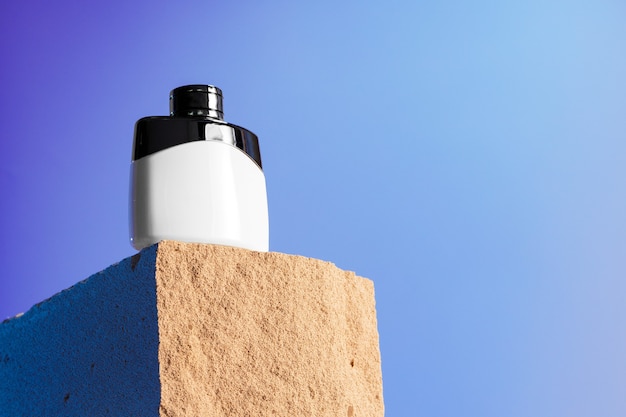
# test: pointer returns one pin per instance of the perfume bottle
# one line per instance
(197, 178)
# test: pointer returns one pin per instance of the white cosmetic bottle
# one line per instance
(197, 178)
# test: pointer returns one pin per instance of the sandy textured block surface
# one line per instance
(198, 330)
(247, 333)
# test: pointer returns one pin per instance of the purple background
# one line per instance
(469, 157)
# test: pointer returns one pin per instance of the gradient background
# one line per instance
(469, 157)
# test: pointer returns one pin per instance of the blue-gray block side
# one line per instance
(91, 350)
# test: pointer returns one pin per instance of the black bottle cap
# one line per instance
(196, 100)
(192, 109)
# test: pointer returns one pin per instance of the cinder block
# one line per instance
(198, 330)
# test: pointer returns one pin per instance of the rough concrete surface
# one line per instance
(246, 333)
(198, 330)
(88, 351)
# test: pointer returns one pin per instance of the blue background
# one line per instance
(469, 157)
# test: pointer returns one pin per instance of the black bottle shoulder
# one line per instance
(156, 133)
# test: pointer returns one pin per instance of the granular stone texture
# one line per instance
(90, 350)
(198, 330)
(246, 333)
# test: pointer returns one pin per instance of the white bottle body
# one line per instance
(204, 191)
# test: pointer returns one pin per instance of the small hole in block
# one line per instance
(352, 363)
(134, 260)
